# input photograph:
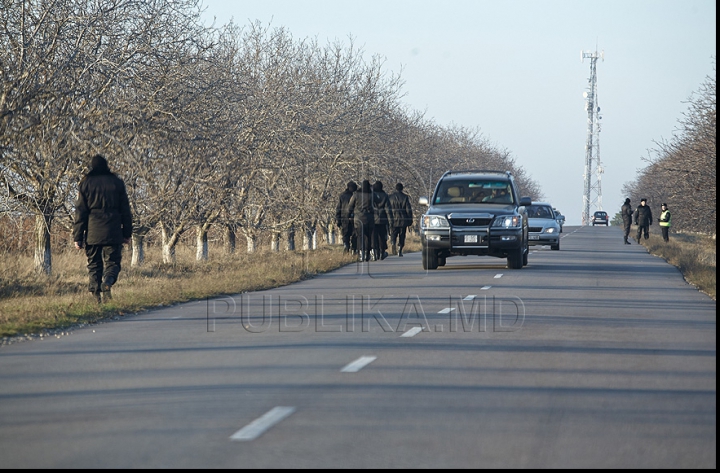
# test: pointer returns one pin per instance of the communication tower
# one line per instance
(592, 195)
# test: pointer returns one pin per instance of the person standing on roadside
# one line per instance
(626, 213)
(102, 224)
(643, 219)
(665, 219)
(345, 220)
(361, 205)
(380, 234)
(401, 217)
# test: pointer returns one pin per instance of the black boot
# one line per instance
(400, 253)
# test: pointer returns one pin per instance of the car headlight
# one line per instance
(510, 221)
(550, 230)
(434, 221)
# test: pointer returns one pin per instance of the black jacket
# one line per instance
(400, 210)
(627, 214)
(361, 204)
(102, 210)
(343, 212)
(382, 206)
(643, 215)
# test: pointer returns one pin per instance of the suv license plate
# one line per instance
(471, 238)
(534, 237)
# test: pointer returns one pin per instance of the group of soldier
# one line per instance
(643, 219)
(368, 216)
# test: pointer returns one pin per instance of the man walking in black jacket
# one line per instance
(643, 219)
(627, 215)
(103, 223)
(344, 218)
(401, 217)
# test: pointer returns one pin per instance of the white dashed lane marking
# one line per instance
(498, 276)
(469, 298)
(412, 332)
(257, 427)
(358, 364)
(485, 288)
(446, 311)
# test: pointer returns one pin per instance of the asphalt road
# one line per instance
(597, 355)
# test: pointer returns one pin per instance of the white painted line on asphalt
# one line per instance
(257, 427)
(412, 332)
(485, 288)
(446, 311)
(469, 298)
(358, 364)
(498, 276)
(178, 317)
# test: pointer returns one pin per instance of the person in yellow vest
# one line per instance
(665, 218)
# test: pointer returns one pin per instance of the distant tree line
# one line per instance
(244, 128)
(682, 171)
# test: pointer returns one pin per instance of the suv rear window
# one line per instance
(457, 191)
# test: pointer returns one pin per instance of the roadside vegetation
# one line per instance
(693, 254)
(32, 303)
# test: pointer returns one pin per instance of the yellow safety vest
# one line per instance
(665, 216)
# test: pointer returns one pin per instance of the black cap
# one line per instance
(664, 205)
(98, 163)
(627, 201)
(643, 200)
(399, 186)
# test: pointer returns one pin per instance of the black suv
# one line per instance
(475, 213)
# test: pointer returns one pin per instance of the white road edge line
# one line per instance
(257, 427)
(358, 364)
(412, 332)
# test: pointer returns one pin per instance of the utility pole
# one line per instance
(592, 189)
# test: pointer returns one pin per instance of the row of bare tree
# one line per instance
(682, 171)
(246, 127)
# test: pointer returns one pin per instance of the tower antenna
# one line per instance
(592, 194)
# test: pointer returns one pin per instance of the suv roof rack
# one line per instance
(478, 171)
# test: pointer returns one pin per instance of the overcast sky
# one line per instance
(513, 69)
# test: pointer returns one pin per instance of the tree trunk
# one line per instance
(138, 250)
(168, 246)
(229, 240)
(275, 242)
(43, 253)
(201, 252)
(315, 239)
(290, 240)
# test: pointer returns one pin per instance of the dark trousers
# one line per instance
(399, 233)
(364, 234)
(643, 229)
(380, 235)
(348, 235)
(665, 233)
(626, 228)
(103, 264)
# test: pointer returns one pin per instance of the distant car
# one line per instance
(600, 218)
(543, 227)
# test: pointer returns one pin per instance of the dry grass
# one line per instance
(31, 303)
(693, 254)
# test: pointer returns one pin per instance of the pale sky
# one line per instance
(512, 69)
